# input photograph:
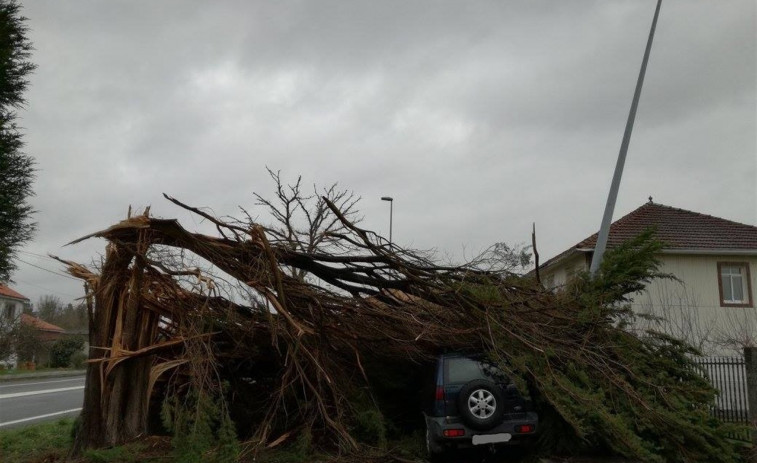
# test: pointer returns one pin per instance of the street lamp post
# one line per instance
(604, 228)
(391, 207)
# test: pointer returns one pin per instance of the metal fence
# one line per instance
(729, 376)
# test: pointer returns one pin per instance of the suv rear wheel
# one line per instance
(481, 404)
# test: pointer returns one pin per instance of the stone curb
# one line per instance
(42, 375)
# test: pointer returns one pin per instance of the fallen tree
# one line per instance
(327, 309)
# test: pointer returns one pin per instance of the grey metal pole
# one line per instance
(391, 218)
(604, 229)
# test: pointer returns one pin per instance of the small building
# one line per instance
(47, 334)
(715, 260)
(12, 305)
(47, 331)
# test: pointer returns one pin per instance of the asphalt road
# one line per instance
(33, 401)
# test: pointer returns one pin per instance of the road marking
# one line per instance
(12, 384)
(39, 417)
(44, 391)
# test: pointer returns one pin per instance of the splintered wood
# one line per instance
(315, 314)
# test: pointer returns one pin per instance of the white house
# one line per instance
(11, 307)
(712, 306)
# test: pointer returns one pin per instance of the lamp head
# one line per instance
(387, 198)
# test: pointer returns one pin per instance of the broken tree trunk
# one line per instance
(116, 393)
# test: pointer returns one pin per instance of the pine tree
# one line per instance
(16, 168)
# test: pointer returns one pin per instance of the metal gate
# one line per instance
(728, 375)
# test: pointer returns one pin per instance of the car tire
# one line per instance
(481, 404)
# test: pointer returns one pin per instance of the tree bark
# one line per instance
(115, 405)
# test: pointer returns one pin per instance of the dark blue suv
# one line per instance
(472, 403)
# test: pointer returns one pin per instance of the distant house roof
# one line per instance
(7, 292)
(678, 229)
(40, 324)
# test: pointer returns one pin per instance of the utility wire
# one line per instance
(50, 291)
(48, 270)
(38, 255)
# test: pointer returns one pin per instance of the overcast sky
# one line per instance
(478, 117)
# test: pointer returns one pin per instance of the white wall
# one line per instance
(692, 307)
(11, 309)
(557, 276)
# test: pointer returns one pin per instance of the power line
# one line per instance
(48, 270)
(38, 255)
(48, 289)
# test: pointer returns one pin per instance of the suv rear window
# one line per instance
(462, 369)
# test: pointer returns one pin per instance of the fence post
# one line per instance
(750, 363)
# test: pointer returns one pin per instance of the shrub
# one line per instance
(370, 427)
(78, 360)
(201, 426)
(63, 349)
(29, 345)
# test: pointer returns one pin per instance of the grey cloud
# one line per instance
(478, 117)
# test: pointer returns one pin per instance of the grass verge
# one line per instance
(46, 442)
(50, 443)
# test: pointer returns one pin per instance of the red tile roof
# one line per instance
(677, 228)
(7, 292)
(40, 324)
(680, 229)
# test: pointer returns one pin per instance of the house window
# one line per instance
(8, 311)
(734, 284)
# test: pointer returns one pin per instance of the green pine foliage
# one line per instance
(201, 427)
(638, 395)
(16, 168)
